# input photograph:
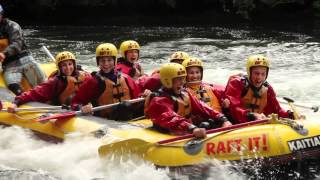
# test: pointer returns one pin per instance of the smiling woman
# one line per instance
(59, 88)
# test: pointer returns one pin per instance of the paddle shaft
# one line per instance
(111, 105)
(294, 110)
(46, 50)
(314, 108)
(76, 113)
(236, 126)
(35, 108)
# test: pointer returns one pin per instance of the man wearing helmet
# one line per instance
(174, 110)
(250, 96)
(106, 86)
(153, 82)
(15, 58)
(207, 93)
(128, 63)
(60, 88)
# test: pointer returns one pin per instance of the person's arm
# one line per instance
(273, 105)
(133, 87)
(16, 39)
(152, 82)
(44, 92)
(233, 93)
(218, 91)
(201, 109)
(88, 91)
(161, 111)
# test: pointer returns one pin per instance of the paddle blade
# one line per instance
(126, 147)
(56, 116)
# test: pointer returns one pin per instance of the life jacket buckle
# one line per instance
(205, 99)
(117, 96)
(201, 91)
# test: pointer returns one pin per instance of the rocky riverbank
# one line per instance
(161, 11)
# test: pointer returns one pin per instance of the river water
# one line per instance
(295, 66)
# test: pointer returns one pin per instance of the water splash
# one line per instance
(76, 158)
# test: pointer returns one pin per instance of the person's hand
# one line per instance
(146, 93)
(11, 108)
(259, 116)
(226, 124)
(87, 109)
(2, 57)
(303, 117)
(199, 132)
(225, 103)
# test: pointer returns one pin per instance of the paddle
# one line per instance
(140, 146)
(314, 108)
(35, 109)
(76, 113)
(294, 110)
(46, 50)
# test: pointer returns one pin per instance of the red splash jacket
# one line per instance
(134, 70)
(48, 91)
(234, 92)
(162, 111)
(152, 82)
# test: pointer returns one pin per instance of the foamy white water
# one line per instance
(76, 158)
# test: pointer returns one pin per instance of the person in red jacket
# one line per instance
(128, 63)
(153, 82)
(57, 90)
(251, 96)
(107, 86)
(210, 94)
(174, 110)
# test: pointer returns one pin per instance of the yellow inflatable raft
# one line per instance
(55, 130)
(276, 140)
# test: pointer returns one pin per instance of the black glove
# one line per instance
(191, 127)
(223, 119)
(64, 106)
(205, 125)
(251, 116)
(217, 122)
